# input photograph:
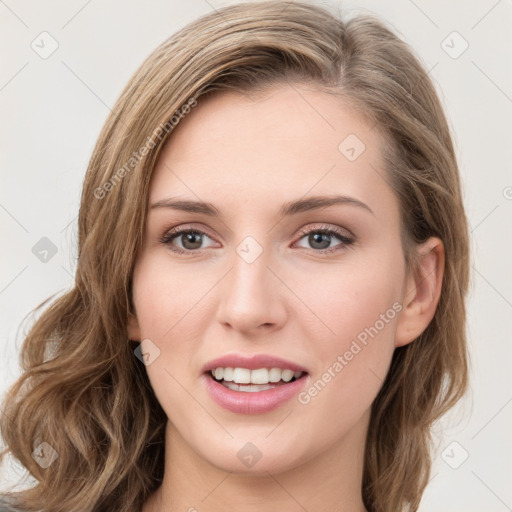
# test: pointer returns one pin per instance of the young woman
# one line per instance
(269, 304)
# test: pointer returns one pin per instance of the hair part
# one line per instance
(82, 390)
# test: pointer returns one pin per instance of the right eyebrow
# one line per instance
(188, 206)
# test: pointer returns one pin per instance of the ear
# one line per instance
(133, 328)
(422, 292)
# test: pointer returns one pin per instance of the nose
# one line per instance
(252, 296)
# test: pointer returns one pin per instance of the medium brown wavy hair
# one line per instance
(84, 392)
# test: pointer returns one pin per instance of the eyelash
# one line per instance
(169, 236)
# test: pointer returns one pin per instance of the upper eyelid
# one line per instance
(186, 227)
(326, 227)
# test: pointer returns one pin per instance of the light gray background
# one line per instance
(52, 110)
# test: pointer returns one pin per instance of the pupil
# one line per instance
(317, 238)
(190, 237)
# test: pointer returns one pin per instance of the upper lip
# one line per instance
(252, 362)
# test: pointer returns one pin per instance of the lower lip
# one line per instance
(243, 402)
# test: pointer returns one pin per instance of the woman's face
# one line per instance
(316, 289)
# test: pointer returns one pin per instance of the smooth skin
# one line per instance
(249, 156)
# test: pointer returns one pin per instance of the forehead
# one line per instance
(283, 144)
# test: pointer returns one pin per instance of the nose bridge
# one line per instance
(249, 296)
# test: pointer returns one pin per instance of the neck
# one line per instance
(331, 480)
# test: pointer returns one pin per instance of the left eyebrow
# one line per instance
(317, 202)
(290, 208)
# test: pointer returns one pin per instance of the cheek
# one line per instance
(347, 299)
(167, 298)
(173, 312)
(359, 306)
(168, 305)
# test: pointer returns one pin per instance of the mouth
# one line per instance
(253, 384)
(256, 380)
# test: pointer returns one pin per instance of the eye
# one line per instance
(320, 239)
(190, 240)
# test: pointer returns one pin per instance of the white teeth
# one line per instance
(260, 376)
(228, 374)
(287, 375)
(274, 375)
(252, 388)
(242, 375)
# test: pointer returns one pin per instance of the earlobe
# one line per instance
(422, 292)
